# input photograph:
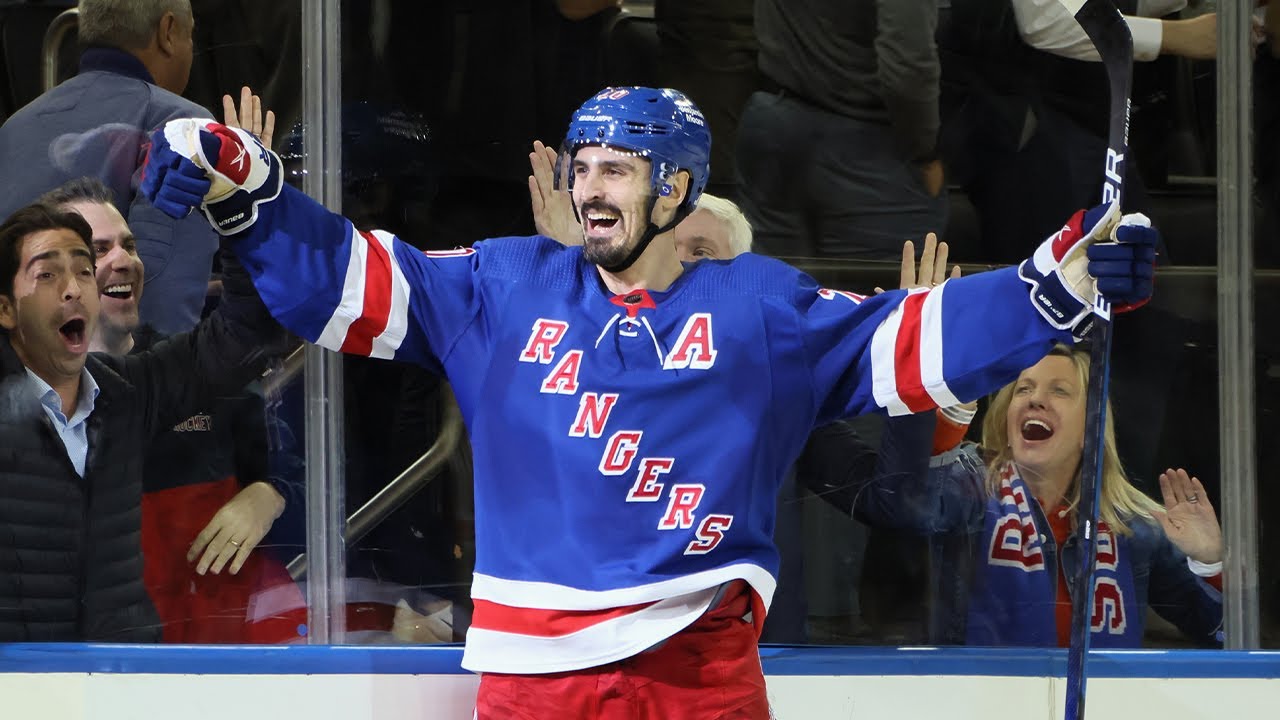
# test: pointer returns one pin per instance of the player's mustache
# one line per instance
(600, 205)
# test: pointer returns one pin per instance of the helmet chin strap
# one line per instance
(650, 233)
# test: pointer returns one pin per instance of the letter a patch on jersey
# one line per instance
(695, 348)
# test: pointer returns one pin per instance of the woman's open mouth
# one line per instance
(1036, 430)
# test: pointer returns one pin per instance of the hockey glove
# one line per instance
(1098, 251)
(240, 173)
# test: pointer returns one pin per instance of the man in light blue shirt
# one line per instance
(75, 425)
(71, 430)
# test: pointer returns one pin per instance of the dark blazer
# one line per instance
(70, 548)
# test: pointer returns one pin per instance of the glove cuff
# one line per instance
(236, 211)
(1056, 300)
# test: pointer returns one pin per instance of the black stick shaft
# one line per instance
(1110, 35)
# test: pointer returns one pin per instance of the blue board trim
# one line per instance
(777, 660)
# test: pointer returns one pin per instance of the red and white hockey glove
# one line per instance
(240, 173)
(1098, 259)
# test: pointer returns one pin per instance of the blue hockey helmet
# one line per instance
(663, 126)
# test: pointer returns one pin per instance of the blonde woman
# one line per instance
(1008, 526)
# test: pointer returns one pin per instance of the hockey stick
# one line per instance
(1110, 35)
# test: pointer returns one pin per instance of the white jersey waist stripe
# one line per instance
(550, 596)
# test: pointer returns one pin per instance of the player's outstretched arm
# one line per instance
(910, 351)
(347, 290)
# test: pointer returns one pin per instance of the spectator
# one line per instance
(204, 482)
(707, 50)
(838, 157)
(74, 425)
(135, 64)
(1025, 128)
(717, 230)
(1010, 550)
(1023, 104)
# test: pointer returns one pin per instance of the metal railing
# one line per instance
(274, 382)
(51, 49)
(402, 488)
(396, 492)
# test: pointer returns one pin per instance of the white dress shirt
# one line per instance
(1046, 25)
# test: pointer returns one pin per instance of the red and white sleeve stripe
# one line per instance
(372, 317)
(907, 355)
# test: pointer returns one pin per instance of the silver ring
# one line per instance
(233, 542)
(1192, 498)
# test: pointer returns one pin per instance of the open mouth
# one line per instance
(1036, 430)
(601, 222)
(119, 291)
(73, 334)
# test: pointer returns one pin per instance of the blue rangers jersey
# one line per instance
(628, 449)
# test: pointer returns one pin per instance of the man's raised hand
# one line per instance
(933, 265)
(553, 214)
(249, 116)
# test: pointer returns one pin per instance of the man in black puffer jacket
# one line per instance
(74, 427)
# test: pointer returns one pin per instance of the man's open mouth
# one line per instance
(73, 332)
(119, 291)
(600, 220)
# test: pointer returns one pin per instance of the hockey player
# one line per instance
(622, 569)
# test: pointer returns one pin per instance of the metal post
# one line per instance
(1236, 388)
(321, 100)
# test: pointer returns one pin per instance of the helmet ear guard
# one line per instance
(664, 173)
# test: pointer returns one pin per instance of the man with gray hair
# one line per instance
(136, 62)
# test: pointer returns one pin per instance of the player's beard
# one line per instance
(607, 253)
